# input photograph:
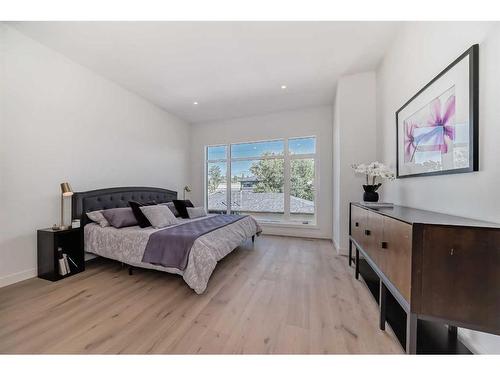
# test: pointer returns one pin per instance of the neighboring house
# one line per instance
(249, 201)
(234, 186)
(243, 198)
(248, 182)
(243, 183)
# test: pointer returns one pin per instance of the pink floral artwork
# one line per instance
(432, 128)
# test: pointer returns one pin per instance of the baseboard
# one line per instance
(89, 256)
(291, 232)
(336, 245)
(340, 250)
(17, 277)
(344, 252)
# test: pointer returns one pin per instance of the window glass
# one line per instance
(216, 152)
(216, 187)
(298, 146)
(257, 188)
(257, 149)
(302, 190)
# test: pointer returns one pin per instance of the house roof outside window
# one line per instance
(249, 201)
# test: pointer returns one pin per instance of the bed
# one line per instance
(128, 245)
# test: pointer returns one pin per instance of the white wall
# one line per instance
(354, 142)
(311, 121)
(61, 122)
(421, 52)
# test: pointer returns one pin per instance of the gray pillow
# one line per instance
(195, 212)
(172, 208)
(159, 216)
(120, 217)
(98, 217)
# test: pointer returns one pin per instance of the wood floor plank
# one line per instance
(279, 295)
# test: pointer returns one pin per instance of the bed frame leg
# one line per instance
(253, 239)
(130, 270)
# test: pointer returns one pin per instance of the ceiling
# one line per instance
(232, 69)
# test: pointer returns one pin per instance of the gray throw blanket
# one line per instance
(170, 247)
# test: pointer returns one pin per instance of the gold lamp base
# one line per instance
(60, 227)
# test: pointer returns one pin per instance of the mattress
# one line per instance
(127, 245)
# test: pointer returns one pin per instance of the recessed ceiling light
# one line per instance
(195, 103)
(283, 87)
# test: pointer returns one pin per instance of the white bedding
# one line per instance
(127, 245)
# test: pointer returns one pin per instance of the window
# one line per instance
(216, 178)
(258, 180)
(273, 180)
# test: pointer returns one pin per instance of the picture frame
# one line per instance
(437, 130)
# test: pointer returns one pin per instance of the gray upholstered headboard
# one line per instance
(102, 199)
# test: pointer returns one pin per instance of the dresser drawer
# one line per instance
(358, 224)
(374, 234)
(387, 242)
(396, 249)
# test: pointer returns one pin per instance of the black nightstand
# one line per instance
(70, 240)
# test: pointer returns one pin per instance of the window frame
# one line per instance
(287, 158)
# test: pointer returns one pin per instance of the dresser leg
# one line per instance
(357, 264)
(411, 333)
(382, 304)
(452, 332)
(350, 253)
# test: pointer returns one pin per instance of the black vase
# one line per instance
(370, 194)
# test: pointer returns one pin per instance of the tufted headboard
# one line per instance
(102, 199)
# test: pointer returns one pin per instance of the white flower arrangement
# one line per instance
(374, 170)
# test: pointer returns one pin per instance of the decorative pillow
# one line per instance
(120, 217)
(159, 216)
(98, 217)
(195, 212)
(172, 208)
(181, 205)
(141, 219)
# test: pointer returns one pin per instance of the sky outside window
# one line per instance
(217, 152)
(257, 149)
(297, 146)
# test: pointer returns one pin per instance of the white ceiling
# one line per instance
(232, 69)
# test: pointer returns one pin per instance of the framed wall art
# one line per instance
(437, 129)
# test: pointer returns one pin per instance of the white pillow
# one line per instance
(160, 216)
(194, 212)
(98, 217)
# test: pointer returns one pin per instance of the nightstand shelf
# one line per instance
(70, 240)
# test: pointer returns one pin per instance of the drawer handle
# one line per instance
(384, 245)
(367, 232)
(356, 224)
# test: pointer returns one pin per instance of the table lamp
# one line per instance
(187, 189)
(66, 191)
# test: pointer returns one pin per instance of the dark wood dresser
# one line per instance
(438, 267)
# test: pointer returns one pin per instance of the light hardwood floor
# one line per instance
(281, 295)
